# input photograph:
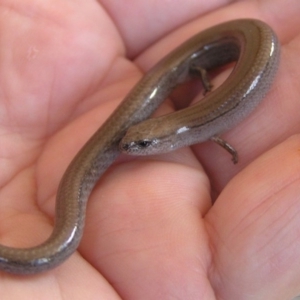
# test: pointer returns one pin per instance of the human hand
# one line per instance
(151, 230)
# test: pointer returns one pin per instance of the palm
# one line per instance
(63, 72)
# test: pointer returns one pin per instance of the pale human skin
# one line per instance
(151, 232)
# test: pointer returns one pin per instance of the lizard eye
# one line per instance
(144, 143)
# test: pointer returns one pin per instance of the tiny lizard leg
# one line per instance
(202, 73)
(227, 147)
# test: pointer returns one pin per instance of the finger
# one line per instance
(254, 229)
(157, 18)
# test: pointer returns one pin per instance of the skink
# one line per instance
(249, 42)
(255, 48)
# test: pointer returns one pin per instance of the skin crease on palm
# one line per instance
(151, 231)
